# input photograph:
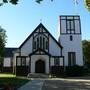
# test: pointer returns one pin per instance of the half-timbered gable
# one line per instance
(40, 38)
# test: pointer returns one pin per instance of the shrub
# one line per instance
(74, 70)
(56, 70)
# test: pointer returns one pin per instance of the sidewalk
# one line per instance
(78, 83)
(35, 84)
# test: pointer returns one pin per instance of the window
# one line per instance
(34, 46)
(41, 29)
(23, 61)
(37, 42)
(18, 61)
(71, 37)
(46, 44)
(71, 58)
(70, 26)
(41, 42)
(56, 61)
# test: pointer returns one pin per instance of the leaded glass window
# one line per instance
(56, 61)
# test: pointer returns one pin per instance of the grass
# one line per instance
(3, 75)
(10, 80)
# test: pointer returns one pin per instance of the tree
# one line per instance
(2, 45)
(15, 2)
(86, 51)
(87, 3)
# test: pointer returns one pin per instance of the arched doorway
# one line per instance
(40, 66)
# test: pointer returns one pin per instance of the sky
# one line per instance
(20, 20)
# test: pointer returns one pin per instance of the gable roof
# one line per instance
(9, 52)
(40, 25)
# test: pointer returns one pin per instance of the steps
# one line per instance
(37, 75)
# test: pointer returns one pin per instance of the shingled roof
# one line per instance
(9, 52)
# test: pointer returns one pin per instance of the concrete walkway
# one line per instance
(35, 84)
(57, 84)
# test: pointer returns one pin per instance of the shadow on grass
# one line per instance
(12, 83)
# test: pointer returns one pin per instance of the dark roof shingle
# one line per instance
(9, 52)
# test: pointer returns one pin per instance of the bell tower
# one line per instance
(70, 39)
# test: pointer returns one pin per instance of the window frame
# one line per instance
(23, 64)
(56, 61)
(20, 61)
(71, 58)
(70, 26)
(71, 38)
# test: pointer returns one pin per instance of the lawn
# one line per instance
(3, 75)
(11, 81)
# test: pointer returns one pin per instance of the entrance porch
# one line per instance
(37, 64)
(40, 64)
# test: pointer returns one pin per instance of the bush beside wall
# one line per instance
(70, 71)
(22, 70)
(57, 71)
(7, 69)
(74, 71)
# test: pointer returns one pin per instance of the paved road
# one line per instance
(66, 85)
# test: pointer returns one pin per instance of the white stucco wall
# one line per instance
(35, 58)
(27, 48)
(72, 46)
(27, 61)
(63, 26)
(77, 25)
(61, 61)
(52, 61)
(7, 62)
(54, 49)
(14, 58)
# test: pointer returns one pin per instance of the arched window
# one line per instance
(41, 42)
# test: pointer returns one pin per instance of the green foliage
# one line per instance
(39, 1)
(74, 70)
(15, 2)
(2, 43)
(12, 83)
(57, 71)
(87, 3)
(86, 51)
(5, 1)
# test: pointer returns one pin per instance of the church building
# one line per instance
(41, 50)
